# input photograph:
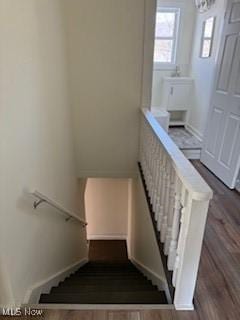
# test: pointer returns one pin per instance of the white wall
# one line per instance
(36, 147)
(106, 202)
(203, 70)
(187, 22)
(105, 46)
(144, 248)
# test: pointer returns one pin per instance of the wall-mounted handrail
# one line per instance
(41, 198)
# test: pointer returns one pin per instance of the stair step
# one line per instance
(105, 275)
(103, 287)
(105, 283)
(128, 297)
(103, 280)
(107, 269)
(109, 263)
(112, 264)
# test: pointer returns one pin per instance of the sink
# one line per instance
(188, 79)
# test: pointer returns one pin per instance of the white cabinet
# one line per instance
(176, 98)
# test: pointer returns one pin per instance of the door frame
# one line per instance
(150, 7)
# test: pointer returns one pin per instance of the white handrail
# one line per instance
(44, 199)
(185, 170)
(179, 198)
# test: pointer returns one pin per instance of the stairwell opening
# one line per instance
(123, 265)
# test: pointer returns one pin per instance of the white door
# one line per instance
(221, 147)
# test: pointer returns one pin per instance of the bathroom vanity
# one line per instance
(176, 98)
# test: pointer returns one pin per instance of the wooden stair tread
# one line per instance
(105, 282)
(128, 297)
(105, 275)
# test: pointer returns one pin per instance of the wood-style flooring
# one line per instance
(108, 250)
(217, 294)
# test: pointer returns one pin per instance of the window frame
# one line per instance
(203, 38)
(169, 65)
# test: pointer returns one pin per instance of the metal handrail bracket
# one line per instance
(41, 198)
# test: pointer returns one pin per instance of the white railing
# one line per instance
(41, 198)
(180, 199)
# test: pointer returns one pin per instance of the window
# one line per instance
(166, 32)
(207, 38)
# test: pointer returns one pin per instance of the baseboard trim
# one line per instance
(129, 253)
(184, 307)
(157, 280)
(195, 132)
(151, 275)
(33, 293)
(107, 237)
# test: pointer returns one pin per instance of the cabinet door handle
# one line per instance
(171, 91)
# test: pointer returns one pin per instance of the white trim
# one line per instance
(129, 222)
(151, 275)
(203, 38)
(175, 39)
(182, 307)
(148, 49)
(194, 132)
(33, 293)
(192, 154)
(107, 237)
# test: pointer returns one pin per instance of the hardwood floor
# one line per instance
(108, 250)
(217, 294)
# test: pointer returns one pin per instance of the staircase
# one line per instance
(105, 282)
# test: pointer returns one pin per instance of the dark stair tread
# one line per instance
(107, 263)
(105, 283)
(107, 269)
(107, 298)
(103, 287)
(105, 275)
(103, 280)
(113, 271)
(112, 266)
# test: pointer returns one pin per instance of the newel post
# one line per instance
(189, 248)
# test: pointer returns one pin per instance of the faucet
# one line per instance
(177, 72)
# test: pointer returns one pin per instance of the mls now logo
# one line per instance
(14, 312)
(18, 312)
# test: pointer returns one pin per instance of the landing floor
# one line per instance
(108, 250)
(218, 287)
(184, 139)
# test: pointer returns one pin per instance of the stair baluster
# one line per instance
(170, 210)
(179, 199)
(162, 195)
(165, 199)
(175, 224)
